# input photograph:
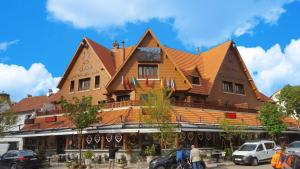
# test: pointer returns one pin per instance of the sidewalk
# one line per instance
(142, 165)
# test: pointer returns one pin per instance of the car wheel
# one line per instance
(160, 167)
(14, 166)
(254, 162)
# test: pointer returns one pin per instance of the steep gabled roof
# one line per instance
(148, 31)
(210, 62)
(103, 54)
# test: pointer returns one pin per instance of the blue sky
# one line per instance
(38, 38)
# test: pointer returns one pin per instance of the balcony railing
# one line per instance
(179, 104)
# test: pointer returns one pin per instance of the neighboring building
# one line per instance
(208, 87)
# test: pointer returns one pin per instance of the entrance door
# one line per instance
(61, 141)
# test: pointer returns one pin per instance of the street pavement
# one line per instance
(261, 166)
(134, 166)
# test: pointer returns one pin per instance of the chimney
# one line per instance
(116, 45)
(29, 95)
(123, 50)
(50, 92)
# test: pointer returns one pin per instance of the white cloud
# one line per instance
(197, 22)
(275, 67)
(19, 81)
(6, 44)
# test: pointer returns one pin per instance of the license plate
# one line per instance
(238, 159)
(33, 159)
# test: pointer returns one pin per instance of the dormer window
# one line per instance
(195, 80)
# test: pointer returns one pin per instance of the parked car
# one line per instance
(293, 147)
(164, 162)
(254, 152)
(19, 159)
(292, 161)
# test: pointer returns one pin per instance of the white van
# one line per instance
(254, 152)
(3, 148)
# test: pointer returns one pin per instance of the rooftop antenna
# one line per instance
(198, 50)
(123, 49)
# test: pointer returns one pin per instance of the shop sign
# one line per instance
(230, 115)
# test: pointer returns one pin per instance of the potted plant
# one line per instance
(122, 163)
(88, 158)
(150, 152)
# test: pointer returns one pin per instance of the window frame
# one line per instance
(223, 87)
(72, 86)
(141, 67)
(199, 84)
(80, 88)
(236, 87)
(97, 86)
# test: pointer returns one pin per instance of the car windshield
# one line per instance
(295, 145)
(26, 153)
(248, 147)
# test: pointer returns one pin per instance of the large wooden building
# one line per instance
(208, 87)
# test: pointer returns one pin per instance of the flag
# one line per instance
(173, 84)
(133, 82)
(128, 84)
(161, 83)
(122, 80)
(168, 83)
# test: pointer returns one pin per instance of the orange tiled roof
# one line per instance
(30, 103)
(41, 124)
(179, 114)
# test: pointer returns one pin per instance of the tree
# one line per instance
(82, 114)
(289, 100)
(157, 111)
(230, 131)
(7, 117)
(271, 116)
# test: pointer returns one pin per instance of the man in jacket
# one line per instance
(278, 159)
(195, 158)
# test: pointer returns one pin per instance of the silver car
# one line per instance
(293, 147)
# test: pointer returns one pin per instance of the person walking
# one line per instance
(112, 155)
(195, 158)
(278, 158)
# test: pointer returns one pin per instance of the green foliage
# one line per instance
(271, 116)
(289, 100)
(231, 131)
(150, 150)
(157, 111)
(7, 119)
(88, 154)
(81, 112)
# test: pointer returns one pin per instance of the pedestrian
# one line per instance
(195, 158)
(179, 154)
(112, 155)
(278, 158)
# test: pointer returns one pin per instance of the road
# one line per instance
(262, 166)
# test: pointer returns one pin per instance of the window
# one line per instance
(239, 89)
(84, 84)
(72, 85)
(260, 148)
(97, 82)
(148, 70)
(195, 80)
(227, 87)
(269, 146)
(123, 98)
